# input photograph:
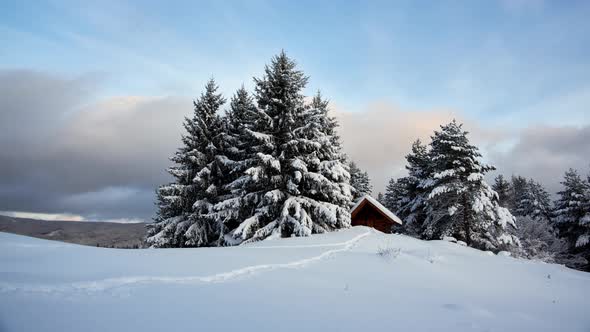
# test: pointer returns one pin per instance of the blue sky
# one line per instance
(520, 66)
(494, 59)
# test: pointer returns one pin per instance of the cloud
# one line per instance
(379, 137)
(37, 102)
(43, 216)
(546, 152)
(64, 153)
(65, 217)
(123, 140)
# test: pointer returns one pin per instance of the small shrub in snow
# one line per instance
(388, 252)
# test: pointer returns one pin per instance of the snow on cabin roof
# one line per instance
(379, 206)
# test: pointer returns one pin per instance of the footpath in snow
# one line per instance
(335, 281)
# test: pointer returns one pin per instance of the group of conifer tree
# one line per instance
(271, 165)
(445, 195)
(556, 230)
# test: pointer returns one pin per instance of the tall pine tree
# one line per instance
(235, 156)
(296, 184)
(395, 196)
(460, 203)
(535, 202)
(360, 181)
(518, 193)
(184, 204)
(412, 208)
(380, 198)
(325, 183)
(572, 214)
(503, 189)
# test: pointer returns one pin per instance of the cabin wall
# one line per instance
(368, 216)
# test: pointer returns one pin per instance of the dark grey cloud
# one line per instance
(63, 152)
(38, 100)
(545, 153)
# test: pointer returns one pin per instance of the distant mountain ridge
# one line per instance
(102, 234)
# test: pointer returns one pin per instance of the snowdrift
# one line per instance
(355, 279)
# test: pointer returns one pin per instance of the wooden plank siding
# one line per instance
(368, 215)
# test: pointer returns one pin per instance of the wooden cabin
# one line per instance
(369, 212)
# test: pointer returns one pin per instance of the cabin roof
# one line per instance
(370, 200)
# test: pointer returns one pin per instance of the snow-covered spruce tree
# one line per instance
(395, 195)
(172, 206)
(321, 106)
(519, 186)
(297, 184)
(460, 203)
(235, 155)
(539, 241)
(405, 196)
(360, 181)
(534, 228)
(533, 218)
(503, 189)
(380, 197)
(572, 215)
(184, 204)
(412, 206)
(325, 181)
(535, 202)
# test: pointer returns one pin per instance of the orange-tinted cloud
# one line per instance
(379, 137)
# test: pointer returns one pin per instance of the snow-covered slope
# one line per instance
(335, 281)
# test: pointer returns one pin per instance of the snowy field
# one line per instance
(334, 282)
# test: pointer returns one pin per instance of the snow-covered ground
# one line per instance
(333, 282)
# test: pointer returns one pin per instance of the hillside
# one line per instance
(103, 234)
(352, 280)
